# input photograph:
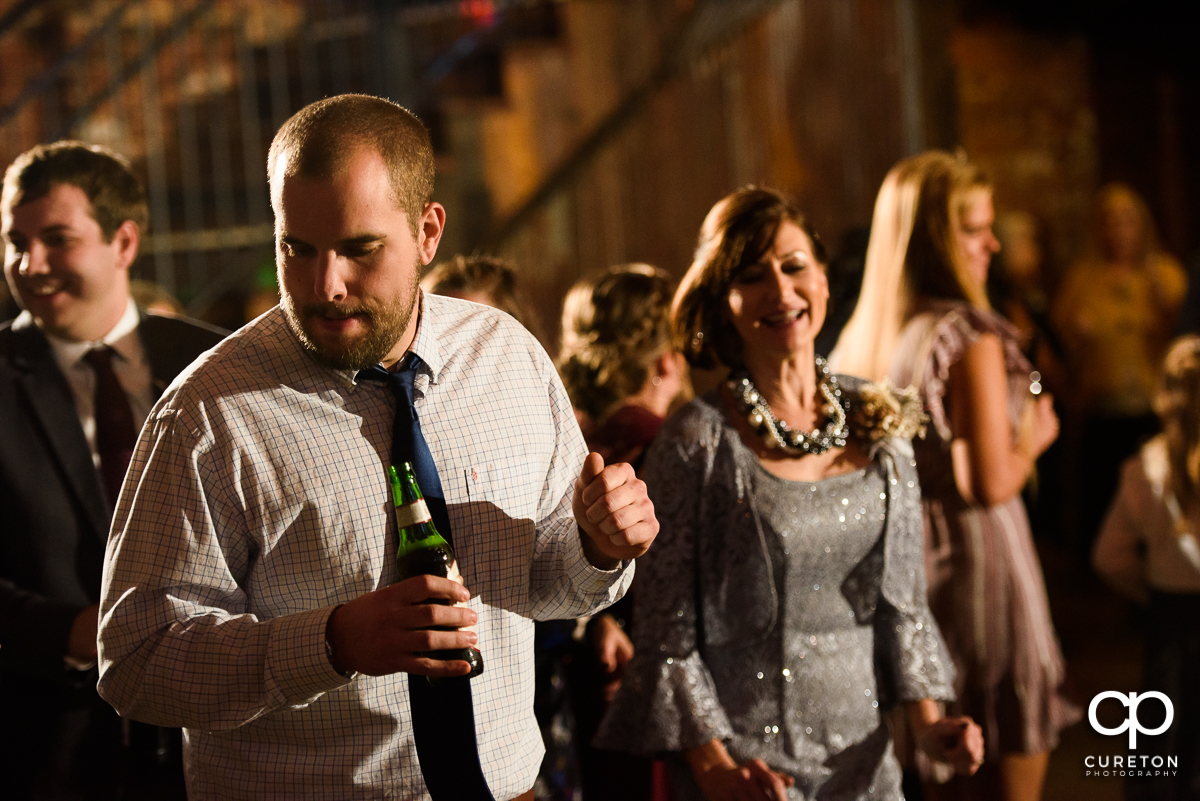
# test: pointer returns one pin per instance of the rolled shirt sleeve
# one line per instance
(179, 645)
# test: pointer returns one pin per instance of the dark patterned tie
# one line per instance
(116, 433)
(443, 716)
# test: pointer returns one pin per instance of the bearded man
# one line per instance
(250, 591)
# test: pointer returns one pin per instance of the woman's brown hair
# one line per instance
(736, 232)
(491, 276)
(613, 328)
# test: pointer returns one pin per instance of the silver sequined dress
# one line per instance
(781, 617)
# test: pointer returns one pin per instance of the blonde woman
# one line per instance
(923, 320)
(1148, 552)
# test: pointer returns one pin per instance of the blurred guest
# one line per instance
(152, 297)
(783, 610)
(80, 369)
(489, 280)
(1147, 550)
(1115, 312)
(923, 319)
(621, 369)
(617, 359)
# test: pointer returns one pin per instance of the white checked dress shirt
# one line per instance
(261, 502)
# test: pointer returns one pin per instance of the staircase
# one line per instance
(569, 134)
(193, 91)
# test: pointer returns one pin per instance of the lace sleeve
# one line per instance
(950, 338)
(912, 661)
(667, 700)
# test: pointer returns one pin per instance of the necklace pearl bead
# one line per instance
(776, 434)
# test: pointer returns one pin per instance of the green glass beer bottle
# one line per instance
(422, 551)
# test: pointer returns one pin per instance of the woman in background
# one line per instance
(1147, 550)
(1115, 313)
(923, 320)
(489, 280)
(782, 609)
(618, 361)
(622, 373)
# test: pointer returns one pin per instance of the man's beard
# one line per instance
(385, 325)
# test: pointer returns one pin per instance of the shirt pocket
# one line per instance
(494, 546)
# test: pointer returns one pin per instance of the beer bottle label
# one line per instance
(454, 575)
(411, 514)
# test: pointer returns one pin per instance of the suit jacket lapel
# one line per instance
(163, 353)
(49, 397)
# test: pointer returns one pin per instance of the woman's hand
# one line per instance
(613, 650)
(1044, 428)
(957, 741)
(722, 779)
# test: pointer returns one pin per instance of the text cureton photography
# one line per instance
(1130, 765)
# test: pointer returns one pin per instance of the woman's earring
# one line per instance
(656, 381)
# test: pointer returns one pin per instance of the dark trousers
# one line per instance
(1105, 442)
(64, 743)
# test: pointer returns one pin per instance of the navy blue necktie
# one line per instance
(443, 716)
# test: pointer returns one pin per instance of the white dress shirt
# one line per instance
(261, 502)
(131, 368)
(1149, 539)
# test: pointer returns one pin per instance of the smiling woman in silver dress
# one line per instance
(783, 608)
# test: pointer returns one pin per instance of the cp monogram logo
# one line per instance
(1131, 723)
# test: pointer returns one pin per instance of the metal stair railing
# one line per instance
(202, 94)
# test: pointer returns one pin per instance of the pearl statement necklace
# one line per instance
(776, 434)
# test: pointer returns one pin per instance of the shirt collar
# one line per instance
(118, 338)
(425, 343)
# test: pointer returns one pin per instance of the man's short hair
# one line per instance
(105, 177)
(321, 137)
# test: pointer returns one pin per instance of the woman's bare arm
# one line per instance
(957, 741)
(978, 390)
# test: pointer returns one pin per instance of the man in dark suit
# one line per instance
(79, 370)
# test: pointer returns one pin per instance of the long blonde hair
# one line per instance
(912, 254)
(1178, 406)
